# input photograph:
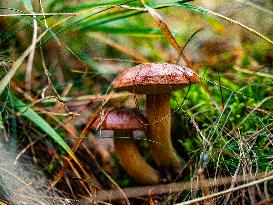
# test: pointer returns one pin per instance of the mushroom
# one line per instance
(124, 121)
(157, 81)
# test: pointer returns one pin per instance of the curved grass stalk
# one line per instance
(200, 9)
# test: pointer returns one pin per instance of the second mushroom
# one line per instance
(123, 121)
(157, 81)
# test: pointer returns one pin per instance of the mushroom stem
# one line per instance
(131, 160)
(158, 115)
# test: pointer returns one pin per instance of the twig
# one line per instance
(162, 189)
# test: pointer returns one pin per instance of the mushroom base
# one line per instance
(131, 160)
(159, 117)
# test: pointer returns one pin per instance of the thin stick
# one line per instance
(133, 192)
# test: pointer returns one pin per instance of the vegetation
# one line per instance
(58, 62)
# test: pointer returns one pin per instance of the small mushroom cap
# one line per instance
(151, 78)
(121, 119)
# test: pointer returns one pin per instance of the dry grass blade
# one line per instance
(164, 28)
(77, 174)
(266, 75)
(133, 54)
(75, 147)
(85, 99)
(31, 54)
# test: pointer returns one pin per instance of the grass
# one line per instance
(62, 61)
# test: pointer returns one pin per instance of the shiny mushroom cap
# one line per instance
(151, 78)
(121, 119)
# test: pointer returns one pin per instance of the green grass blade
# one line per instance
(6, 79)
(82, 23)
(43, 125)
(130, 31)
(93, 5)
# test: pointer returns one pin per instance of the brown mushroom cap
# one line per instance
(155, 78)
(121, 119)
